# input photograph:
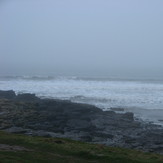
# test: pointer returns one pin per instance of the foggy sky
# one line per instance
(76, 36)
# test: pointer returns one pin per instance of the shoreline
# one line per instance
(30, 115)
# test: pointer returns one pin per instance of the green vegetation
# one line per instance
(28, 149)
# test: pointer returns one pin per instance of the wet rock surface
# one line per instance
(7, 94)
(31, 115)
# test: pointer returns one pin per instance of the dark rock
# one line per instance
(76, 123)
(110, 112)
(26, 97)
(41, 133)
(17, 130)
(30, 115)
(117, 109)
(86, 138)
(129, 116)
(7, 94)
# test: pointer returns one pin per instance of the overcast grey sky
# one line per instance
(63, 36)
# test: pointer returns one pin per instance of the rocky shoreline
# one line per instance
(28, 114)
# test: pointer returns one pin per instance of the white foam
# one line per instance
(102, 93)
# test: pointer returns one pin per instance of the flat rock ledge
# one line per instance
(30, 115)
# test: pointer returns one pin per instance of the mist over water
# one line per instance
(81, 37)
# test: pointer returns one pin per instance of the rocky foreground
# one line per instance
(28, 114)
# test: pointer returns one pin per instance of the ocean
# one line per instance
(144, 97)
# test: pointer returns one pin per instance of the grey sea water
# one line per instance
(144, 97)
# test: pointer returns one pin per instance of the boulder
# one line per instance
(26, 97)
(7, 94)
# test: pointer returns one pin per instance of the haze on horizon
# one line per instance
(79, 37)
